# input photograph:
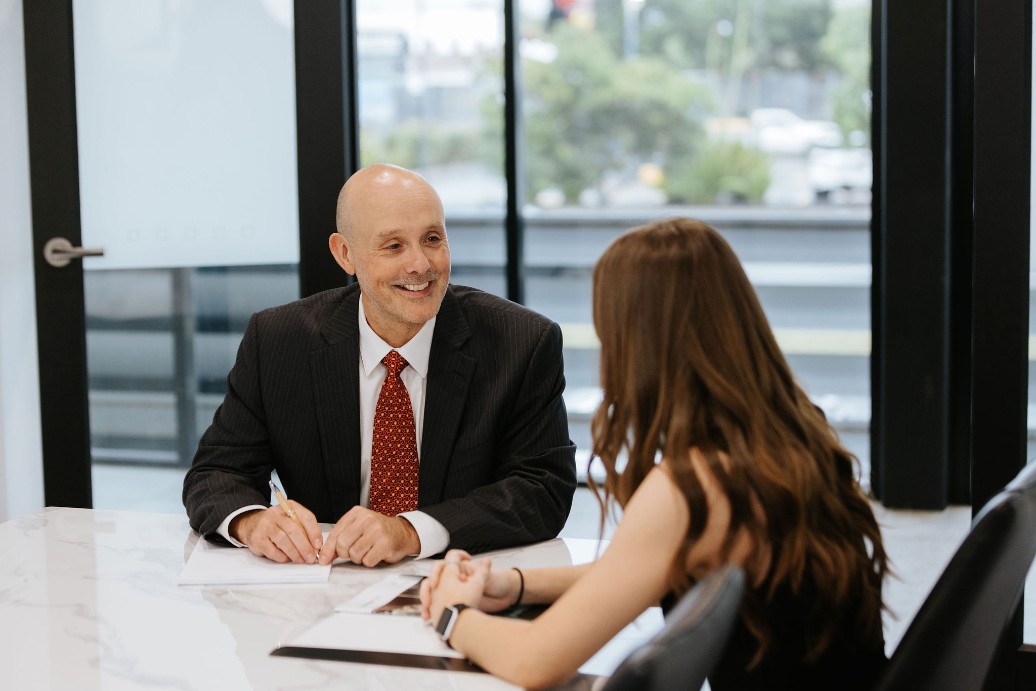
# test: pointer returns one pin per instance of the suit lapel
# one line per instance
(335, 372)
(450, 372)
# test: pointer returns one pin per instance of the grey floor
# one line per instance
(920, 543)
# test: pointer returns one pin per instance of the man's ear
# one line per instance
(339, 247)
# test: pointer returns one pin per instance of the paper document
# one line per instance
(375, 633)
(211, 564)
(379, 594)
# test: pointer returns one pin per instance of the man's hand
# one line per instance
(367, 537)
(272, 534)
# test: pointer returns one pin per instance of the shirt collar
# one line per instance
(373, 349)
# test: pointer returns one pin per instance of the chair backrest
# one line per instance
(955, 635)
(683, 653)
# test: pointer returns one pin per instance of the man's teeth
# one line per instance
(416, 287)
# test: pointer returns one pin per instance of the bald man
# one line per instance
(484, 376)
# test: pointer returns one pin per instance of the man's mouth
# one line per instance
(415, 287)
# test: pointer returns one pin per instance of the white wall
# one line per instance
(21, 455)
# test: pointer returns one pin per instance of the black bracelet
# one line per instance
(521, 586)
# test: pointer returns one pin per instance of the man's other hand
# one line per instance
(271, 533)
(367, 537)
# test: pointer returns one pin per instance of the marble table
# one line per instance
(89, 600)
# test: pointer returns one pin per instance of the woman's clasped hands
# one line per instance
(458, 579)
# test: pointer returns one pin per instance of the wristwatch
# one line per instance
(448, 620)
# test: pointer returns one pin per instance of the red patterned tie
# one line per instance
(394, 467)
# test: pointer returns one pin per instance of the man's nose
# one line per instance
(416, 261)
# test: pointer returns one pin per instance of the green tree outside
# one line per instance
(783, 34)
(848, 47)
(594, 113)
(588, 113)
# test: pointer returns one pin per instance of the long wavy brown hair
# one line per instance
(688, 361)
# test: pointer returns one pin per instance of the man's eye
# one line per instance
(394, 246)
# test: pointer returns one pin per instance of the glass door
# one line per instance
(184, 128)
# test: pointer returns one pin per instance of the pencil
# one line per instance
(282, 501)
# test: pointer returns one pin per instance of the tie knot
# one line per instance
(394, 362)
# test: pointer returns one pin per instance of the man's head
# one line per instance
(392, 237)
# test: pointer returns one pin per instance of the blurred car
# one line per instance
(780, 131)
(832, 170)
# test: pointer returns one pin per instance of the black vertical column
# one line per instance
(514, 169)
(1003, 62)
(328, 130)
(912, 248)
(962, 184)
(60, 311)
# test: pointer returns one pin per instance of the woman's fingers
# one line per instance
(433, 576)
(425, 592)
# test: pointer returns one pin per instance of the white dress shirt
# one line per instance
(434, 536)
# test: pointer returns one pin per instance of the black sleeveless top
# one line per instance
(852, 665)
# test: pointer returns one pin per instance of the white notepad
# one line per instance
(211, 564)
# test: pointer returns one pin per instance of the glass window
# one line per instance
(430, 80)
(753, 117)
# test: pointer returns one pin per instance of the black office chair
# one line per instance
(952, 641)
(687, 648)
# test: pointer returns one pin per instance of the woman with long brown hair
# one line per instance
(715, 455)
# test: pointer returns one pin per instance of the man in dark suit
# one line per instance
(495, 465)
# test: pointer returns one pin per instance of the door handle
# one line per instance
(60, 252)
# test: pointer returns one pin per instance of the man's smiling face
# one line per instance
(395, 244)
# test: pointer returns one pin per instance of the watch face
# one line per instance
(449, 617)
(444, 621)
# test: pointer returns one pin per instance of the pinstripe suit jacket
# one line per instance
(497, 464)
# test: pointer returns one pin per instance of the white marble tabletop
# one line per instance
(89, 600)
